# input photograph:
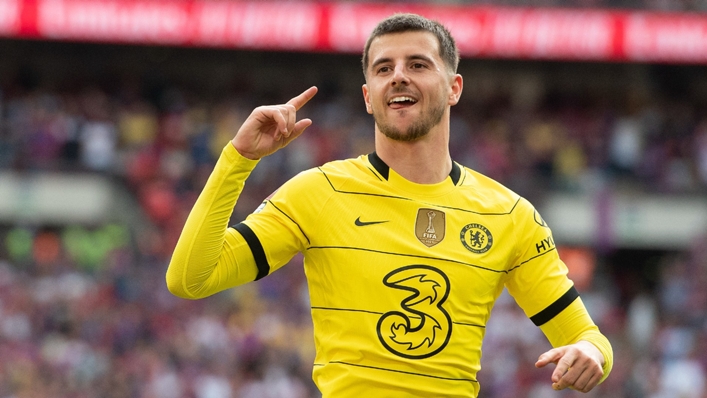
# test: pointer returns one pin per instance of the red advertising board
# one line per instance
(9, 17)
(671, 38)
(480, 31)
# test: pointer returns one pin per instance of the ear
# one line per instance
(367, 99)
(455, 91)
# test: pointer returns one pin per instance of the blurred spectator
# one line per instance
(84, 310)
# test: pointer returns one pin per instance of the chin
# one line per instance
(408, 135)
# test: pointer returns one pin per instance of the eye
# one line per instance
(383, 69)
(418, 65)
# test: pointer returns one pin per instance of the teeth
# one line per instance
(401, 99)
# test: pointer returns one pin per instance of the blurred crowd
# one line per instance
(648, 5)
(84, 310)
(656, 5)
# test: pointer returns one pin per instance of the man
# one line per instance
(405, 250)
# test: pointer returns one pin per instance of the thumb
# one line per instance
(551, 356)
(300, 126)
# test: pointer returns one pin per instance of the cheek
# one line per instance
(374, 102)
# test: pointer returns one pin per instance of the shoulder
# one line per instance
(493, 196)
(340, 172)
(329, 177)
(336, 174)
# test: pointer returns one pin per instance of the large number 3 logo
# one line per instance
(424, 328)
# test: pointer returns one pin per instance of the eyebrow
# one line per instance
(409, 58)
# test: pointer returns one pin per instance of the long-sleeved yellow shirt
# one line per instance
(402, 276)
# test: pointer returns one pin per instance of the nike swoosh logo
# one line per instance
(360, 223)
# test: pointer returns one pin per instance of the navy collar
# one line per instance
(384, 170)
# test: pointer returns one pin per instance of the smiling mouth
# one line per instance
(401, 102)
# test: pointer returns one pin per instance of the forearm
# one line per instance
(209, 258)
(574, 324)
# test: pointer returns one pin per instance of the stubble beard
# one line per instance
(417, 130)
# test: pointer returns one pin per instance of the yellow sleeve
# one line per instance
(539, 284)
(573, 324)
(538, 277)
(210, 257)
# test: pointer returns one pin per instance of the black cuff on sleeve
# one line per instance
(555, 308)
(256, 248)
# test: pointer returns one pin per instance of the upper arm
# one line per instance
(537, 279)
(286, 222)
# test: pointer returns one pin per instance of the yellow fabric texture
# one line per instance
(573, 325)
(208, 257)
(402, 277)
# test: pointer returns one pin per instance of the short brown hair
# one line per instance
(400, 23)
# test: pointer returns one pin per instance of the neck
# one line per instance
(426, 161)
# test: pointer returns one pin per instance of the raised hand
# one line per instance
(271, 127)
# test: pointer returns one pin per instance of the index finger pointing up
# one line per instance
(303, 98)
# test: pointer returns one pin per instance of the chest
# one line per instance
(456, 232)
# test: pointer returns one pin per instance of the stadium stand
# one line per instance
(84, 311)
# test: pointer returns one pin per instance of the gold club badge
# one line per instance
(430, 226)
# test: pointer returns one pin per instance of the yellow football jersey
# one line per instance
(402, 276)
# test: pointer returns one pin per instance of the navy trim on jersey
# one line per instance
(256, 248)
(455, 173)
(291, 219)
(555, 308)
(398, 371)
(379, 165)
(408, 199)
(384, 170)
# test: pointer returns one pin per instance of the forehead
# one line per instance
(404, 45)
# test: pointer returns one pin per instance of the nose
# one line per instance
(400, 76)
